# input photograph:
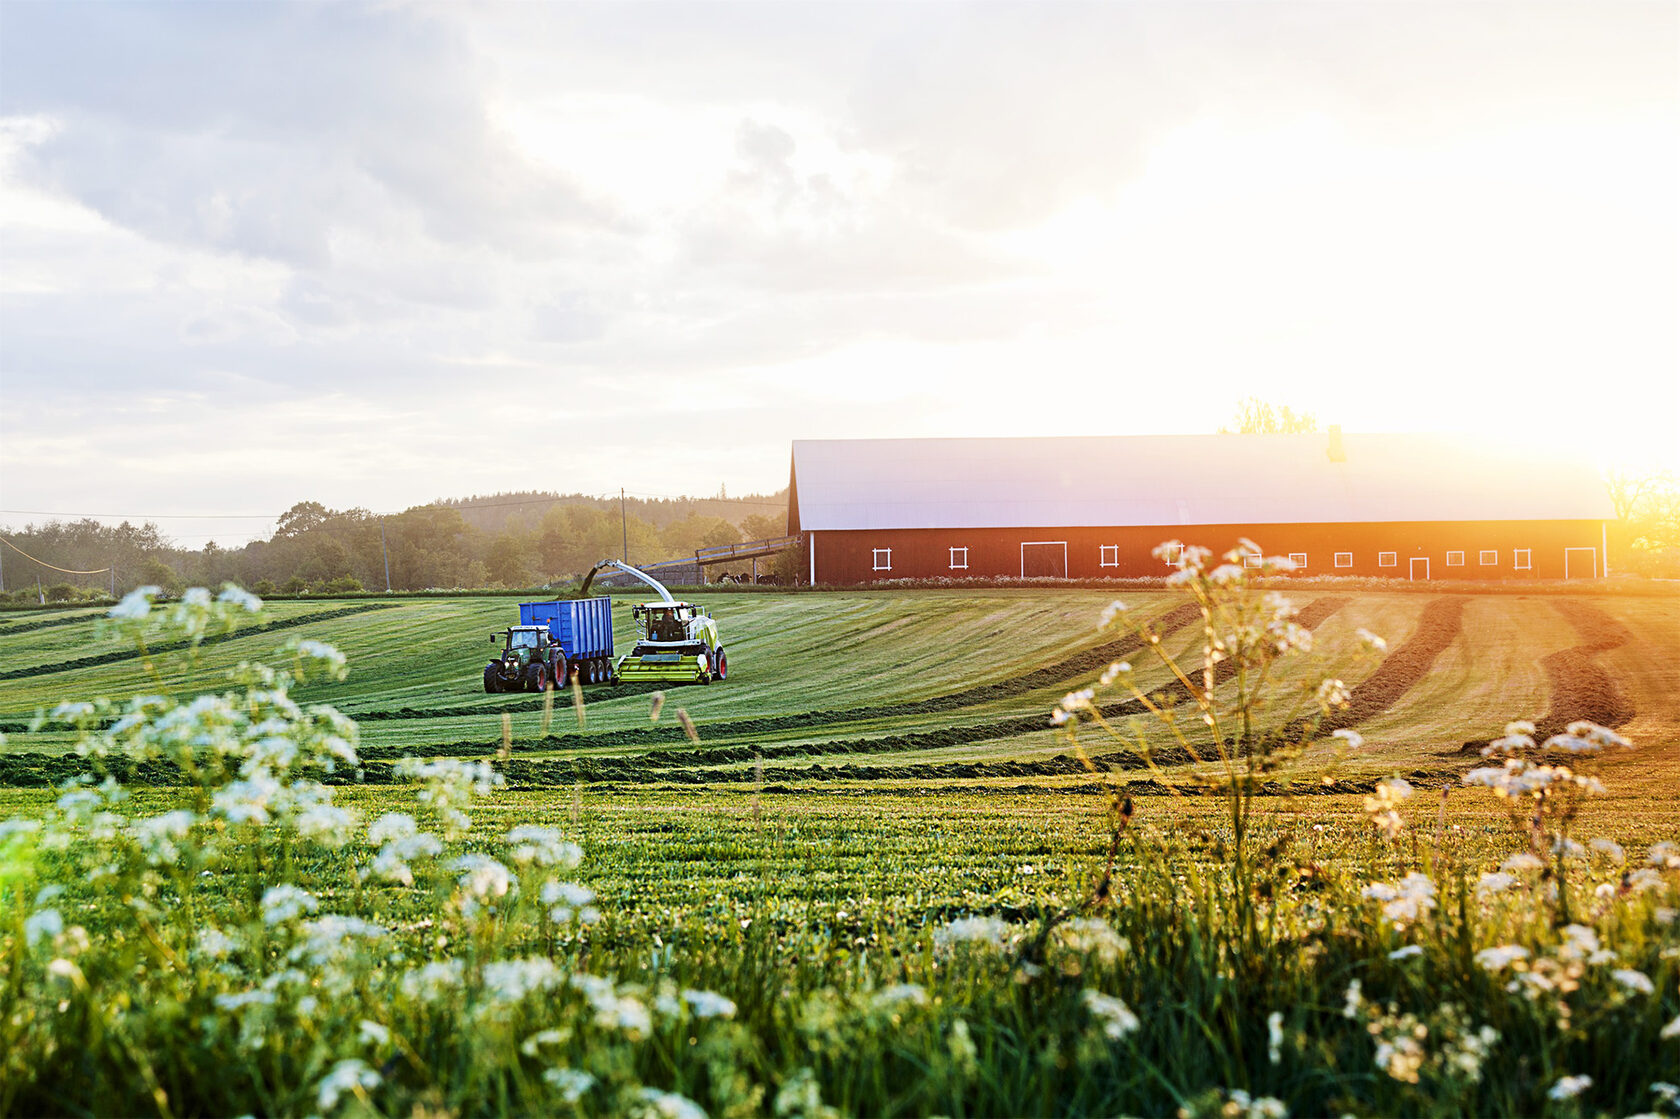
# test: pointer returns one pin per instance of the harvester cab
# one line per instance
(676, 641)
(531, 661)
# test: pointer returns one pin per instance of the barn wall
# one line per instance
(848, 557)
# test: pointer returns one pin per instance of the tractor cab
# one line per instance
(668, 622)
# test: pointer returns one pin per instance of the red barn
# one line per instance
(1090, 507)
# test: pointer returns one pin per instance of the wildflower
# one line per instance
(238, 999)
(1495, 882)
(1636, 981)
(327, 824)
(1664, 855)
(1274, 1036)
(136, 604)
(240, 599)
(321, 656)
(350, 1075)
(1400, 1051)
(1113, 672)
(1110, 612)
(888, 998)
(1672, 1029)
(1610, 849)
(1333, 694)
(1501, 957)
(543, 847)
(1568, 1087)
(1406, 901)
(964, 1054)
(569, 900)
(1383, 805)
(511, 981)
(1522, 862)
(47, 923)
(708, 1004)
(1580, 942)
(434, 981)
(484, 878)
(1240, 1105)
(1371, 641)
(572, 1083)
(392, 825)
(1406, 953)
(329, 936)
(1092, 936)
(1352, 739)
(669, 1105)
(1352, 1000)
(1115, 1016)
(286, 903)
(990, 932)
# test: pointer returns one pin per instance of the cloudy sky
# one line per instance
(371, 255)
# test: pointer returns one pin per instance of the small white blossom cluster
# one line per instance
(1383, 806)
(1111, 1015)
(980, 932)
(448, 785)
(1406, 901)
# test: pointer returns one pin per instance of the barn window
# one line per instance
(1110, 555)
(1253, 559)
(1172, 555)
(1525, 559)
(883, 559)
(1344, 559)
(1387, 559)
(1299, 559)
(959, 559)
(1455, 559)
(1490, 557)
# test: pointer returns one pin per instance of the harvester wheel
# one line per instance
(722, 665)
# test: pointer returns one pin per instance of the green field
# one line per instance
(872, 879)
(896, 689)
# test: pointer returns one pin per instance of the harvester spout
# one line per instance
(628, 570)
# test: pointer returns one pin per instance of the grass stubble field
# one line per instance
(914, 894)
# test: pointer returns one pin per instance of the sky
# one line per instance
(377, 254)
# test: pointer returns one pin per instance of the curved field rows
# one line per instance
(907, 686)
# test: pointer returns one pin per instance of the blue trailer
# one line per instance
(584, 629)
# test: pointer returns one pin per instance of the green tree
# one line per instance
(763, 526)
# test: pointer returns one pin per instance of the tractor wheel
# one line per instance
(705, 676)
(722, 665)
(492, 683)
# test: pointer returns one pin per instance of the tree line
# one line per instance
(500, 541)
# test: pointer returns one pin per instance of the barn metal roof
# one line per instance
(1180, 480)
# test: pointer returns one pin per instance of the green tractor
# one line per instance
(531, 661)
(676, 641)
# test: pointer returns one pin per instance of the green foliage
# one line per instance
(1258, 417)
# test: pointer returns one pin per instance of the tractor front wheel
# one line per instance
(722, 665)
(492, 683)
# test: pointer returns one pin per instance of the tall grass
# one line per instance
(248, 943)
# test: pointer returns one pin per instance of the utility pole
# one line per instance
(386, 554)
(624, 522)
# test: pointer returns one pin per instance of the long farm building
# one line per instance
(1091, 507)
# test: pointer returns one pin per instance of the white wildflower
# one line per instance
(571, 1083)
(1110, 612)
(890, 998)
(1405, 901)
(708, 1004)
(47, 923)
(1672, 1030)
(1568, 1087)
(373, 1033)
(1408, 952)
(1352, 739)
(1115, 1017)
(668, 1105)
(1333, 694)
(347, 1076)
(286, 903)
(1636, 981)
(1274, 1037)
(1353, 999)
(1522, 863)
(1501, 957)
(1664, 855)
(239, 599)
(989, 932)
(136, 604)
(511, 981)
(435, 981)
(1371, 641)
(1093, 936)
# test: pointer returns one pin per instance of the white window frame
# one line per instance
(955, 566)
(1108, 555)
(1344, 559)
(1459, 562)
(1388, 559)
(1253, 559)
(1522, 559)
(1489, 557)
(1299, 559)
(879, 552)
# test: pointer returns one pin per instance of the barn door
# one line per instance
(1580, 563)
(1415, 569)
(1044, 559)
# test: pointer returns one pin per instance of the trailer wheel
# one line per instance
(722, 665)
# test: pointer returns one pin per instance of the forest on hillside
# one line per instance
(498, 540)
